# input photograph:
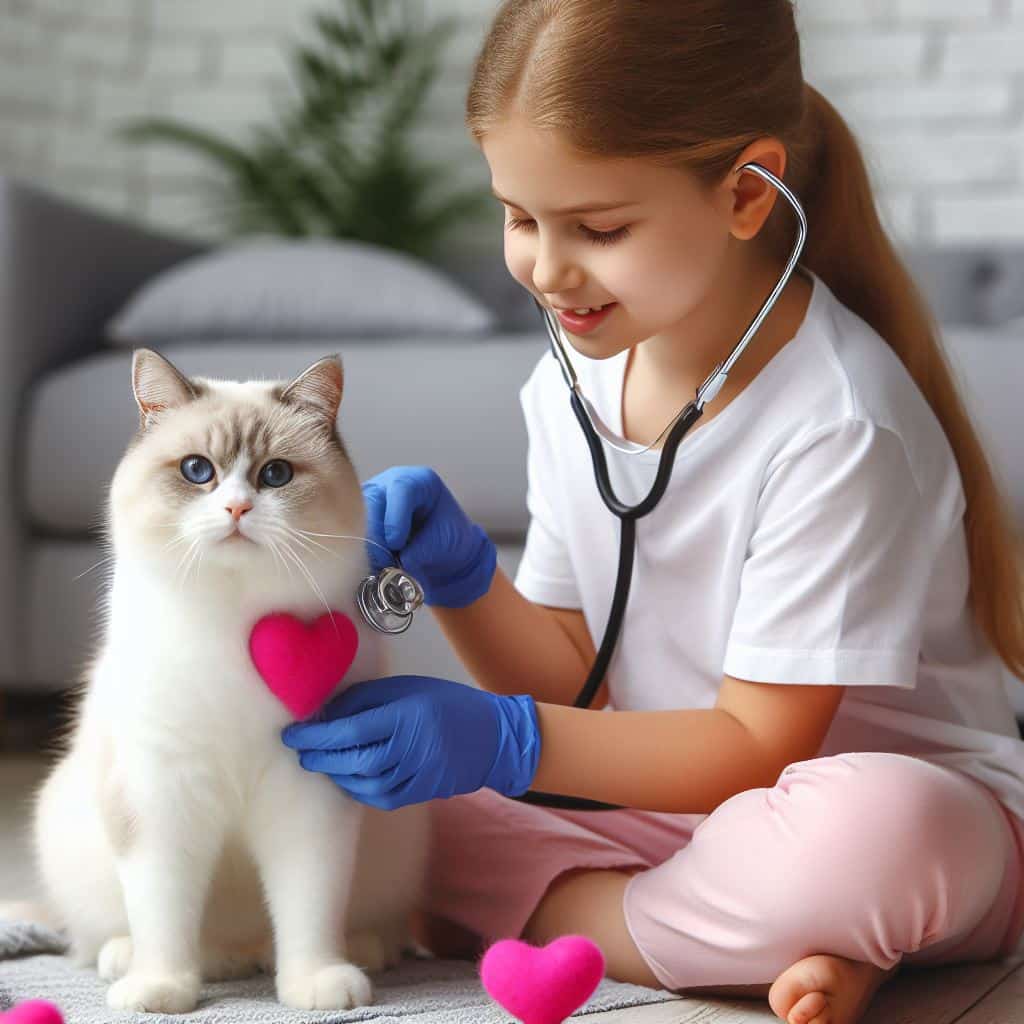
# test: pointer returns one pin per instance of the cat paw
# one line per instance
(332, 986)
(150, 992)
(219, 963)
(115, 958)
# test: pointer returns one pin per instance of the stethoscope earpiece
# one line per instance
(596, 432)
(388, 599)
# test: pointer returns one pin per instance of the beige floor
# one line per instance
(981, 994)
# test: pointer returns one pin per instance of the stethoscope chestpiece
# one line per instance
(388, 600)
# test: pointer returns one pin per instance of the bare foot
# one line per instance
(826, 990)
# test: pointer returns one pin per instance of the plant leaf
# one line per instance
(338, 158)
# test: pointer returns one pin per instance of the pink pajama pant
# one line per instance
(874, 856)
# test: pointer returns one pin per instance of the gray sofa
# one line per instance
(66, 410)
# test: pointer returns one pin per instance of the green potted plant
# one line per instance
(337, 161)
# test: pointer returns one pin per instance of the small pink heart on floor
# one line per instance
(35, 1011)
(302, 664)
(542, 985)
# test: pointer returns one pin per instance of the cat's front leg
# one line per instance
(303, 833)
(165, 865)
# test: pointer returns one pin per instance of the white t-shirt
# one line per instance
(812, 532)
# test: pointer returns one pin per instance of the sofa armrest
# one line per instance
(63, 272)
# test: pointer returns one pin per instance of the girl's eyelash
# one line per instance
(600, 237)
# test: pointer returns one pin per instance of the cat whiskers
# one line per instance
(347, 536)
(297, 559)
(173, 542)
(194, 537)
(181, 539)
(187, 559)
(198, 531)
(109, 558)
(298, 534)
(294, 534)
(278, 557)
(113, 557)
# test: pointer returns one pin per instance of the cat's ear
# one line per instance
(158, 385)
(319, 387)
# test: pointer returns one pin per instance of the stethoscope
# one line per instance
(388, 600)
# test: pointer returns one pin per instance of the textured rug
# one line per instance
(418, 991)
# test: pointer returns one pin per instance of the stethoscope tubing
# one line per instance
(629, 514)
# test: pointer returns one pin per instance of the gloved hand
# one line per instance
(411, 512)
(406, 739)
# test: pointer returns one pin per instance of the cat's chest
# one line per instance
(216, 623)
(184, 661)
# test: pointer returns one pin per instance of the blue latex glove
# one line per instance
(406, 739)
(411, 512)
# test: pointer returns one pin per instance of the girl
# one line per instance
(823, 771)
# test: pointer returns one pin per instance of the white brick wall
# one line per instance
(933, 88)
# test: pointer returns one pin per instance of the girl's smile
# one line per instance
(659, 248)
(576, 323)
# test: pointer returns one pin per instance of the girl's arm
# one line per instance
(677, 761)
(685, 762)
(511, 645)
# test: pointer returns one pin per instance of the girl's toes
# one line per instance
(802, 985)
(785, 993)
(809, 1008)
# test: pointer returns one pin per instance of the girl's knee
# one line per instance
(894, 806)
(868, 856)
(892, 830)
(856, 827)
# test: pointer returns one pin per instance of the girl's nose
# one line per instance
(553, 272)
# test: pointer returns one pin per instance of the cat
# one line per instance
(177, 839)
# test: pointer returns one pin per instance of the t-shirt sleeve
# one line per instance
(545, 573)
(836, 573)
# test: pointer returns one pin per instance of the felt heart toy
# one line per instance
(302, 664)
(542, 985)
(35, 1011)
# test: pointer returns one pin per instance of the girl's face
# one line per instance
(655, 250)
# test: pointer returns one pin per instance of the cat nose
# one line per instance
(238, 509)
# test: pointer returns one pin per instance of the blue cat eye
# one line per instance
(276, 473)
(196, 469)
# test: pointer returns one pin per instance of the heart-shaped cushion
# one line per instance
(542, 985)
(35, 1011)
(302, 664)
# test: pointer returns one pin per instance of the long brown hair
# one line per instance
(691, 83)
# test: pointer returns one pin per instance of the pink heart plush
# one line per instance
(35, 1011)
(542, 985)
(302, 664)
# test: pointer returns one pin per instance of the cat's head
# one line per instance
(235, 475)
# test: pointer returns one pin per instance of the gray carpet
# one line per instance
(419, 991)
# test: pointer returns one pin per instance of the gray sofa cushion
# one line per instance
(448, 405)
(310, 288)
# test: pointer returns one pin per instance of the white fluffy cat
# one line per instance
(176, 818)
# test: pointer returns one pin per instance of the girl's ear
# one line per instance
(753, 198)
(319, 387)
(158, 385)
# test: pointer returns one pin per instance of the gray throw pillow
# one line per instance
(311, 288)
